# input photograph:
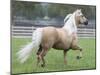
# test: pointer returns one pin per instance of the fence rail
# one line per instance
(26, 32)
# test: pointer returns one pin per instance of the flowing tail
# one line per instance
(24, 53)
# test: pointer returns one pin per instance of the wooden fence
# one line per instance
(26, 32)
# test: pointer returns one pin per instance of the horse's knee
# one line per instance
(76, 48)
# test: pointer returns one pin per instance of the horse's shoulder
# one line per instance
(61, 31)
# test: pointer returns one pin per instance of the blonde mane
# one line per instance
(67, 17)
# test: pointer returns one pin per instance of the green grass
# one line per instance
(54, 58)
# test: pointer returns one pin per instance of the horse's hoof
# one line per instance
(42, 65)
(78, 57)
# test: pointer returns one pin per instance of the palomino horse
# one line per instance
(64, 38)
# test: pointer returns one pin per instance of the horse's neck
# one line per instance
(70, 25)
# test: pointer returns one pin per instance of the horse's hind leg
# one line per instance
(38, 53)
(42, 54)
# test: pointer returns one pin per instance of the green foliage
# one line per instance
(34, 10)
(54, 58)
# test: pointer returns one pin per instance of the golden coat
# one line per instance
(57, 38)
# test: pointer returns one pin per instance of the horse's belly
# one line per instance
(62, 45)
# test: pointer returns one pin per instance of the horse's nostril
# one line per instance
(86, 23)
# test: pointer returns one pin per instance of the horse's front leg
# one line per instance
(65, 60)
(75, 46)
(80, 49)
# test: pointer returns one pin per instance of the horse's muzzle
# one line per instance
(86, 22)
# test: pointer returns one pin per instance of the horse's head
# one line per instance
(80, 18)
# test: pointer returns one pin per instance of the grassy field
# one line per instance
(54, 58)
